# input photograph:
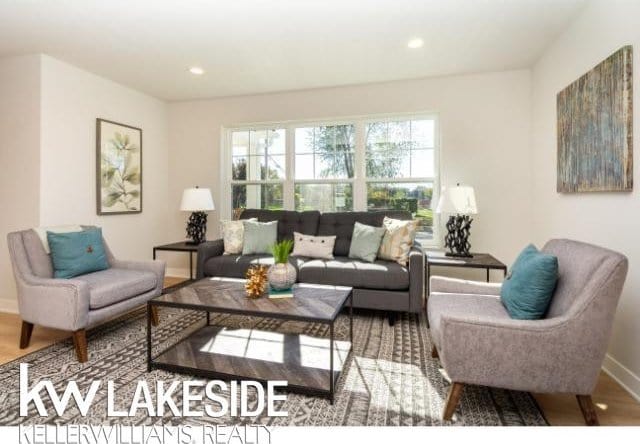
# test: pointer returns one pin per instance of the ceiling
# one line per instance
(254, 46)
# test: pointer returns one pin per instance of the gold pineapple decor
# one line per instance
(256, 281)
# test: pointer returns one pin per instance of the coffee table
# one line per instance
(310, 365)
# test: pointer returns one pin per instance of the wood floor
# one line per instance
(614, 405)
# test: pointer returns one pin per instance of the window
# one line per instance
(400, 167)
(258, 169)
(324, 168)
(351, 165)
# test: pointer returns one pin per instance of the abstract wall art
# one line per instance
(118, 168)
(595, 128)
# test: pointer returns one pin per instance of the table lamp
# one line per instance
(459, 202)
(198, 201)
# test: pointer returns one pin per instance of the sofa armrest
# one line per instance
(207, 250)
(157, 267)
(439, 284)
(416, 278)
(55, 303)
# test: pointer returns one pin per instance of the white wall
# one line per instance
(72, 99)
(608, 219)
(19, 157)
(485, 141)
(48, 112)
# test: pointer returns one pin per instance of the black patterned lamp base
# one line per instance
(197, 227)
(457, 238)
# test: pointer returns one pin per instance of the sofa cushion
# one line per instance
(77, 253)
(305, 222)
(113, 285)
(527, 291)
(234, 265)
(341, 225)
(461, 306)
(365, 242)
(398, 239)
(379, 275)
(259, 237)
(318, 247)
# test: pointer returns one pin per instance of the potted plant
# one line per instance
(282, 275)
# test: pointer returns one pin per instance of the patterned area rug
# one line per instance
(389, 379)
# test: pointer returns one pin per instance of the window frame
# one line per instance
(360, 180)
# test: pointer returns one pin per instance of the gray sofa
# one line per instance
(381, 285)
(82, 302)
(479, 343)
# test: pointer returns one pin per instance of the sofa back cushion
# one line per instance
(305, 222)
(341, 225)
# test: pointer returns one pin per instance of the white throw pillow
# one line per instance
(42, 233)
(233, 235)
(317, 247)
(398, 240)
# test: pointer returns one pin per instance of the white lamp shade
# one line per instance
(197, 199)
(457, 200)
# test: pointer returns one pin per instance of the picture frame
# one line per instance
(595, 128)
(118, 168)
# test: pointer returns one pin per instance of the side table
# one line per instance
(184, 247)
(479, 260)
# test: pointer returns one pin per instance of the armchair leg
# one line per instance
(588, 410)
(25, 334)
(434, 352)
(80, 344)
(155, 316)
(455, 392)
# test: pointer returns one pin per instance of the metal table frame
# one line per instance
(329, 394)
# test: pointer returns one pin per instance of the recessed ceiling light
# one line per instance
(415, 43)
(196, 70)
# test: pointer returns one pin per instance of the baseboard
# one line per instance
(8, 305)
(623, 376)
(177, 272)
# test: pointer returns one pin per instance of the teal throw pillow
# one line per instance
(81, 252)
(259, 236)
(365, 242)
(527, 291)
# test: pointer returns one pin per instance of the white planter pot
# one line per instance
(281, 276)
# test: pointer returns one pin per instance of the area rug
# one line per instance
(390, 378)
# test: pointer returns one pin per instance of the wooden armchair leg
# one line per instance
(80, 344)
(455, 392)
(25, 334)
(434, 352)
(155, 316)
(588, 410)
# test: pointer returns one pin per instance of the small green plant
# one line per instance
(281, 251)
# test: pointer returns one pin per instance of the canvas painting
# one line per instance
(119, 168)
(595, 128)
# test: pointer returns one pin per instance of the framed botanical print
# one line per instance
(118, 168)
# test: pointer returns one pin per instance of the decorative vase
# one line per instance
(282, 276)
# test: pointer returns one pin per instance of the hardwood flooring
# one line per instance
(613, 404)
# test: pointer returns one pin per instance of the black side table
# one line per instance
(180, 247)
(479, 260)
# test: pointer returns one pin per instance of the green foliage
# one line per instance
(281, 251)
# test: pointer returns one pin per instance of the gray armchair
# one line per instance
(478, 343)
(82, 302)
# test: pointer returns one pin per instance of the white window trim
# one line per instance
(359, 181)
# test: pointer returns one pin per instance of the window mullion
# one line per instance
(359, 183)
(289, 184)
